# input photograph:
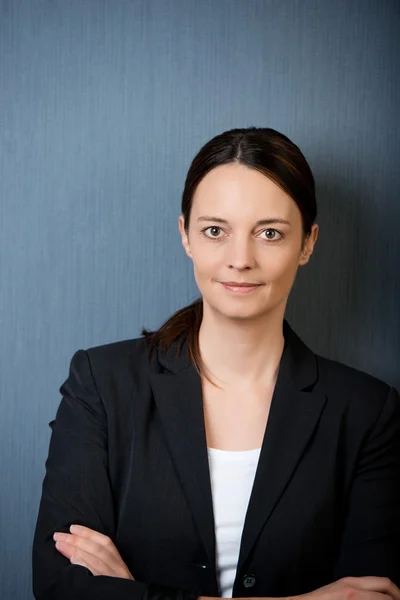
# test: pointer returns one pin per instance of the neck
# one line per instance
(242, 352)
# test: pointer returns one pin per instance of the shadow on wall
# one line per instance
(341, 300)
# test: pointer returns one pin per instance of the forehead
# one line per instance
(234, 191)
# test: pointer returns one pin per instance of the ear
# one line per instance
(309, 244)
(185, 239)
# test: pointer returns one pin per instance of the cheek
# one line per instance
(279, 264)
(206, 264)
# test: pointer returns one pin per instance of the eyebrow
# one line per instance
(260, 222)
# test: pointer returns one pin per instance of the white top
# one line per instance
(232, 475)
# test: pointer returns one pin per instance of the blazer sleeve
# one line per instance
(76, 489)
(370, 542)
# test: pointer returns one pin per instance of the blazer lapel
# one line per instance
(293, 416)
(178, 396)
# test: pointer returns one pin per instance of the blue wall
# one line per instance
(103, 104)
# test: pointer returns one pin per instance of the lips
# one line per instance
(243, 288)
(237, 284)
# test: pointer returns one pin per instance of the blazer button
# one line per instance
(249, 581)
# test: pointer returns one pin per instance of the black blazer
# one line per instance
(128, 458)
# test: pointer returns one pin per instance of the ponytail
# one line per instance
(184, 324)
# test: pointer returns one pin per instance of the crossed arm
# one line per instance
(78, 447)
(97, 553)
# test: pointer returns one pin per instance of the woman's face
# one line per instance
(246, 229)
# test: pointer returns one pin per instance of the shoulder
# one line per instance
(119, 358)
(108, 376)
(114, 352)
(119, 361)
(355, 391)
(338, 376)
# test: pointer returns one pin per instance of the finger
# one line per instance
(99, 538)
(375, 595)
(396, 591)
(80, 557)
(86, 533)
(90, 534)
(374, 584)
(107, 553)
(393, 590)
(65, 549)
(97, 558)
(80, 542)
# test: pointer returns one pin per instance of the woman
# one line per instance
(219, 456)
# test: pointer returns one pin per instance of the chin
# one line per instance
(230, 311)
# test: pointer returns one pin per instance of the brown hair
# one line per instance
(260, 148)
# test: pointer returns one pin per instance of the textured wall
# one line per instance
(103, 104)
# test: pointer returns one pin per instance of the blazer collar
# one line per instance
(294, 414)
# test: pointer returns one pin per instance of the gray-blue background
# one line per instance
(103, 104)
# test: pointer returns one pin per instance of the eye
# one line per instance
(213, 229)
(272, 234)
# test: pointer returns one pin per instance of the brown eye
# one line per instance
(214, 231)
(272, 234)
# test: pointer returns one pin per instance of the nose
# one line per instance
(240, 253)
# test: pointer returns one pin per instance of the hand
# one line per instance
(93, 550)
(355, 588)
